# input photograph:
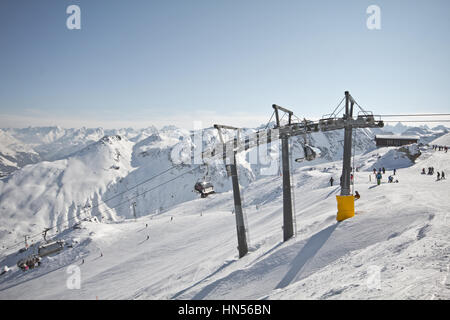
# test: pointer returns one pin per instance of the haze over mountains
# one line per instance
(52, 175)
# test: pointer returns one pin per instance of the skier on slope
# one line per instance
(438, 176)
(379, 176)
(331, 181)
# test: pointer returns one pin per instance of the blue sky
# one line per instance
(141, 62)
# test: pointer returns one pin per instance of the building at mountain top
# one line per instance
(384, 140)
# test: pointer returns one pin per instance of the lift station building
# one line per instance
(394, 140)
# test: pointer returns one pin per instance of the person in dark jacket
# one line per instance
(331, 181)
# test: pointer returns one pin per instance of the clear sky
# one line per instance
(153, 62)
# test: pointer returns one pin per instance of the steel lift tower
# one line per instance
(229, 149)
(232, 169)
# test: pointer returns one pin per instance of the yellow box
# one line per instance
(346, 207)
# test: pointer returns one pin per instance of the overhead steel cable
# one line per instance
(414, 115)
(334, 112)
(270, 119)
(104, 203)
(418, 121)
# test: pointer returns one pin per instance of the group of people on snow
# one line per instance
(440, 148)
(381, 170)
(29, 263)
(440, 175)
(357, 195)
(379, 175)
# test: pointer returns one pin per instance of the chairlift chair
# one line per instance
(309, 153)
(204, 186)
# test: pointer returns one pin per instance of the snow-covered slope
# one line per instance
(443, 140)
(36, 197)
(397, 246)
(50, 193)
(14, 154)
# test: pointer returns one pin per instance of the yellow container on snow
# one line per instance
(346, 207)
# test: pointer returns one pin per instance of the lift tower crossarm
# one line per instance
(277, 116)
(223, 149)
(220, 126)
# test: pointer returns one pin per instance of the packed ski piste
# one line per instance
(164, 239)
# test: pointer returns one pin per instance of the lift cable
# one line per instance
(416, 121)
(270, 119)
(106, 210)
(129, 189)
(334, 113)
(414, 115)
